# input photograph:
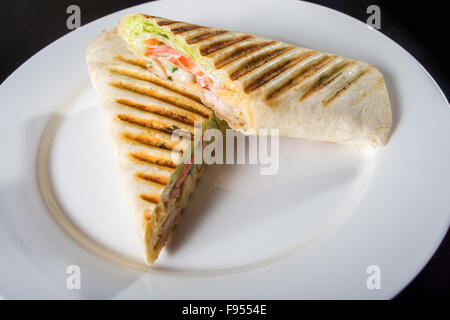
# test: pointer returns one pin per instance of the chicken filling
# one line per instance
(166, 62)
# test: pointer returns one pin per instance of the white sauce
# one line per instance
(183, 76)
(224, 111)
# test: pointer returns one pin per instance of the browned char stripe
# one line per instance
(186, 28)
(277, 70)
(153, 198)
(153, 177)
(307, 71)
(152, 141)
(181, 102)
(155, 80)
(326, 79)
(165, 22)
(136, 62)
(221, 44)
(258, 61)
(205, 35)
(153, 165)
(345, 87)
(153, 124)
(241, 52)
(184, 118)
(152, 159)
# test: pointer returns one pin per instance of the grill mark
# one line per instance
(153, 177)
(155, 80)
(277, 70)
(222, 44)
(204, 36)
(241, 52)
(258, 61)
(153, 165)
(158, 160)
(152, 198)
(189, 120)
(347, 86)
(326, 79)
(186, 28)
(165, 144)
(162, 97)
(299, 77)
(165, 22)
(136, 62)
(154, 124)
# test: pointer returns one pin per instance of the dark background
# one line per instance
(27, 26)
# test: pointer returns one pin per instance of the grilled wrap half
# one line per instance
(255, 83)
(142, 112)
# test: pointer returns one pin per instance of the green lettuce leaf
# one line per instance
(137, 29)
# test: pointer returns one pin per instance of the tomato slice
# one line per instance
(161, 51)
(186, 63)
(152, 42)
(173, 60)
(178, 60)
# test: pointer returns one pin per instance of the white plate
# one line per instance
(310, 231)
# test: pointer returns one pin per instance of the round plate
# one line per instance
(313, 230)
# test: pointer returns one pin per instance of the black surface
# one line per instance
(26, 26)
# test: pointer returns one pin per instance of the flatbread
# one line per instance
(141, 112)
(270, 84)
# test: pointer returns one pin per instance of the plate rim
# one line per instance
(435, 84)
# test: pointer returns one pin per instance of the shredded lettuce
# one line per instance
(137, 29)
(208, 124)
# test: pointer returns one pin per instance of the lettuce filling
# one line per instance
(137, 29)
(212, 122)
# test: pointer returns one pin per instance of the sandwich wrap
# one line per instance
(142, 112)
(255, 83)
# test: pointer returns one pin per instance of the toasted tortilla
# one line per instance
(270, 84)
(142, 112)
